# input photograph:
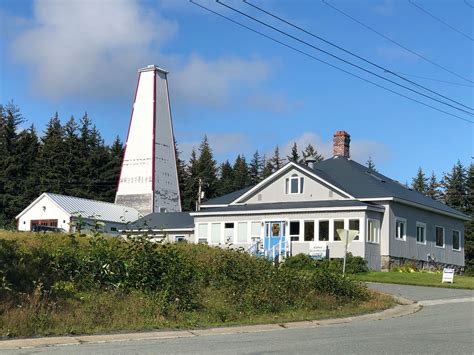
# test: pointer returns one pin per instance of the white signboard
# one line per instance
(318, 252)
(448, 275)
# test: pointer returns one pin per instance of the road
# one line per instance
(445, 325)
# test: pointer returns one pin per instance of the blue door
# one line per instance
(274, 231)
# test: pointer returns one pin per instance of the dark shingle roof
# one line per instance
(290, 205)
(358, 181)
(168, 220)
(226, 199)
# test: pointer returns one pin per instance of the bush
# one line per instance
(354, 264)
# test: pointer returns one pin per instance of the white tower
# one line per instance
(149, 178)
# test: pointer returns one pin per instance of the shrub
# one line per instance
(354, 264)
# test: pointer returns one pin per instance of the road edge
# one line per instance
(403, 308)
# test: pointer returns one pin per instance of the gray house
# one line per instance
(304, 208)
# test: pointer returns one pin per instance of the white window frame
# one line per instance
(404, 221)
(334, 220)
(452, 236)
(329, 229)
(377, 231)
(360, 227)
(288, 183)
(295, 235)
(444, 237)
(422, 225)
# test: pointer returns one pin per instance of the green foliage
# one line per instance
(312, 153)
(419, 182)
(354, 264)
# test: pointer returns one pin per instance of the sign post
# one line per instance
(347, 237)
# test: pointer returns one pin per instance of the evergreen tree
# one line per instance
(226, 179)
(312, 153)
(182, 172)
(371, 165)
(241, 173)
(112, 170)
(419, 182)
(191, 183)
(207, 170)
(276, 160)
(294, 156)
(433, 187)
(255, 169)
(454, 185)
(71, 158)
(267, 168)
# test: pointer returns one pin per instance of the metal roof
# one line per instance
(164, 220)
(226, 199)
(103, 211)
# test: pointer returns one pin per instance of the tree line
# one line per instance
(72, 159)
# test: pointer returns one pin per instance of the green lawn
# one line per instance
(416, 278)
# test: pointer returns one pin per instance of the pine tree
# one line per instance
(71, 158)
(207, 170)
(112, 170)
(294, 156)
(241, 173)
(276, 160)
(226, 179)
(433, 187)
(311, 153)
(454, 185)
(371, 165)
(182, 172)
(267, 168)
(255, 169)
(191, 183)
(419, 182)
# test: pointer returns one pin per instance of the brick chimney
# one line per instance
(341, 143)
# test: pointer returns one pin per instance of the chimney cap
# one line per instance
(342, 133)
(152, 67)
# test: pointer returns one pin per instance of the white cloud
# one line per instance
(88, 47)
(212, 82)
(93, 49)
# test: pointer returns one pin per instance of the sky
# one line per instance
(243, 91)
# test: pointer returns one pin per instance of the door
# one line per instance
(274, 231)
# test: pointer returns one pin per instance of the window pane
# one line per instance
(439, 237)
(255, 229)
(203, 230)
(242, 232)
(215, 233)
(323, 231)
(354, 226)
(338, 229)
(400, 230)
(295, 228)
(294, 185)
(229, 225)
(456, 240)
(309, 231)
(420, 234)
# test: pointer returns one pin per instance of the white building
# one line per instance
(65, 213)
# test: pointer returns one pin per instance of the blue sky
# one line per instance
(243, 91)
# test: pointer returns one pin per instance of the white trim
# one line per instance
(452, 239)
(444, 237)
(288, 210)
(281, 172)
(415, 204)
(159, 229)
(212, 206)
(377, 231)
(423, 225)
(44, 194)
(404, 221)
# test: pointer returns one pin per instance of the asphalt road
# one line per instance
(445, 325)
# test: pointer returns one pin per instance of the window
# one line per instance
(255, 229)
(229, 225)
(294, 185)
(439, 236)
(309, 231)
(373, 228)
(203, 231)
(323, 231)
(215, 233)
(295, 231)
(420, 233)
(338, 229)
(113, 229)
(400, 229)
(242, 232)
(180, 239)
(354, 225)
(456, 240)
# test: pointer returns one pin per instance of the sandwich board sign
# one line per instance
(448, 275)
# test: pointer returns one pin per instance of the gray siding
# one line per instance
(410, 249)
(312, 190)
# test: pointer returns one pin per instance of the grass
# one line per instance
(106, 312)
(417, 278)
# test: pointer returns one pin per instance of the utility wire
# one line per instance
(396, 42)
(439, 80)
(440, 20)
(327, 63)
(341, 59)
(468, 4)
(352, 53)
